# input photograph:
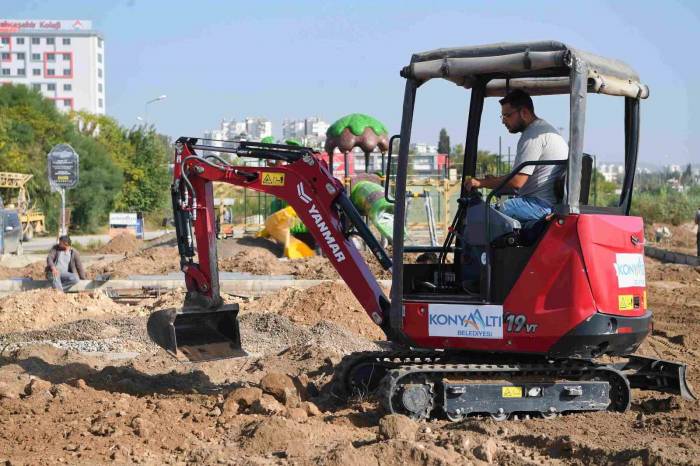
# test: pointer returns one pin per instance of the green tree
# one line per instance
(443, 142)
(31, 126)
(146, 176)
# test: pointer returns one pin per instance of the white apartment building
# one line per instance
(311, 132)
(62, 59)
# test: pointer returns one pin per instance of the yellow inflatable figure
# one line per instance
(278, 227)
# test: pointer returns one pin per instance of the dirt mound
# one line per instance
(255, 261)
(326, 301)
(35, 271)
(40, 309)
(152, 261)
(123, 243)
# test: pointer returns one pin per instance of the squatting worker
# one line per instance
(63, 266)
(539, 141)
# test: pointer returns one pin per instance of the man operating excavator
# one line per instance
(534, 185)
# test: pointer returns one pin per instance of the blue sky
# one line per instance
(230, 59)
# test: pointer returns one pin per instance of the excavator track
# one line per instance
(428, 384)
(422, 391)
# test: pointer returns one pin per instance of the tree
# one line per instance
(443, 142)
(31, 126)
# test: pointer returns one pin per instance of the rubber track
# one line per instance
(620, 401)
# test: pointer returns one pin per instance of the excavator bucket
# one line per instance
(197, 334)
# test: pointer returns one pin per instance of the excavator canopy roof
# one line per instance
(539, 68)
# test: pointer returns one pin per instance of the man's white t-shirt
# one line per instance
(540, 141)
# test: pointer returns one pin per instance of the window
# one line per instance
(20, 56)
(20, 41)
(66, 102)
(5, 72)
(5, 40)
(51, 87)
(67, 87)
(36, 87)
(50, 57)
(99, 72)
(5, 56)
(100, 103)
(66, 41)
(36, 72)
(66, 56)
(36, 41)
(36, 57)
(99, 58)
(99, 87)
(99, 43)
(66, 71)
(50, 41)
(21, 72)
(50, 72)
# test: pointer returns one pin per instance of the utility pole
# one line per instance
(509, 165)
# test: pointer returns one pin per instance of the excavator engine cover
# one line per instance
(198, 334)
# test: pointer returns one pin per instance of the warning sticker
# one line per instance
(272, 179)
(511, 392)
(625, 302)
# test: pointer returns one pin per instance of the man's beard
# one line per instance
(520, 127)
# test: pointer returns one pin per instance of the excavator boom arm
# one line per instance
(299, 178)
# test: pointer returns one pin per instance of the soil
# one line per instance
(80, 383)
(683, 237)
(123, 243)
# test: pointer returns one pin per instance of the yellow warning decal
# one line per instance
(625, 302)
(645, 300)
(272, 179)
(512, 392)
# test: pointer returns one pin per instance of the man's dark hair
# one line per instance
(518, 99)
(65, 239)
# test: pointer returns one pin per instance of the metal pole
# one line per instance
(498, 169)
(63, 211)
(509, 166)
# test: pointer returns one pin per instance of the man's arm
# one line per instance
(492, 182)
(79, 265)
(50, 259)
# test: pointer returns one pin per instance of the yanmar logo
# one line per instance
(466, 321)
(321, 224)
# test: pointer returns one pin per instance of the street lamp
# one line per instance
(161, 97)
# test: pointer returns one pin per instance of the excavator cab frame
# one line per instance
(539, 68)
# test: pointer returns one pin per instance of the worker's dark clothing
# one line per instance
(70, 270)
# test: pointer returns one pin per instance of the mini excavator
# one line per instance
(560, 305)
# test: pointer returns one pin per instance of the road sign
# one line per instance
(63, 167)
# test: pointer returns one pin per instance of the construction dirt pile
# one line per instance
(123, 243)
(152, 261)
(86, 387)
(39, 309)
(256, 261)
(35, 271)
(682, 237)
(327, 301)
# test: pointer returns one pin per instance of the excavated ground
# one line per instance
(80, 383)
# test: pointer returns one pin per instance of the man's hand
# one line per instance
(471, 183)
(54, 272)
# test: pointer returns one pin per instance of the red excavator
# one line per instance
(552, 297)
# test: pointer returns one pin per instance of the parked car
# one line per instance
(10, 232)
